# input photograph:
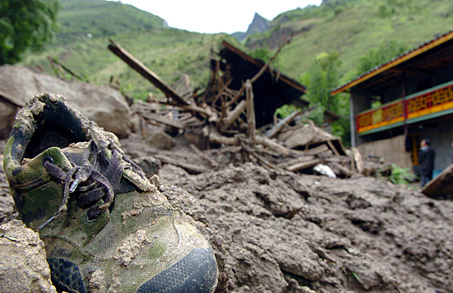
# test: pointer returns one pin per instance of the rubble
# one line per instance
(224, 116)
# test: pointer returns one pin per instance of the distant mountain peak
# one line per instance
(258, 25)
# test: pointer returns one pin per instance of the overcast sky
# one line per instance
(211, 16)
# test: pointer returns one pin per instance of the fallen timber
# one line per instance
(227, 119)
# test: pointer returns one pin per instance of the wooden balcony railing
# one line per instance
(418, 106)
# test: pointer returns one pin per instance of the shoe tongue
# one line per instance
(77, 153)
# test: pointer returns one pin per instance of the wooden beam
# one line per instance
(233, 115)
(162, 119)
(317, 150)
(190, 168)
(250, 110)
(72, 73)
(138, 66)
(271, 133)
(204, 156)
(220, 139)
(333, 148)
(356, 160)
(302, 165)
(441, 186)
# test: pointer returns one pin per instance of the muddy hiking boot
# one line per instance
(105, 226)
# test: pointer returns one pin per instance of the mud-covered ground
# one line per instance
(277, 231)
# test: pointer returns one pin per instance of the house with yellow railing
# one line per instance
(414, 98)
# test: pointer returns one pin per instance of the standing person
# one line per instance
(426, 159)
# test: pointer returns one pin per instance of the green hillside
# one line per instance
(86, 26)
(97, 18)
(353, 28)
(349, 27)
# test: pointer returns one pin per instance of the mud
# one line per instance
(277, 231)
(23, 266)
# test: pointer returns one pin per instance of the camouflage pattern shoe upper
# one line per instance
(106, 227)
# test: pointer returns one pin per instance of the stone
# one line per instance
(102, 104)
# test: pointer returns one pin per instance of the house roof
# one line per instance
(387, 70)
(259, 64)
(271, 90)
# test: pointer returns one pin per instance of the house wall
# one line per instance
(358, 103)
(392, 150)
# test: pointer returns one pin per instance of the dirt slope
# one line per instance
(276, 231)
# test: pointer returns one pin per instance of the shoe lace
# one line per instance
(91, 181)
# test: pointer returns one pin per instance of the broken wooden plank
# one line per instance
(53, 61)
(220, 139)
(317, 150)
(276, 147)
(204, 156)
(357, 160)
(138, 66)
(332, 147)
(441, 186)
(164, 120)
(302, 165)
(297, 160)
(190, 168)
(207, 112)
(264, 162)
(271, 133)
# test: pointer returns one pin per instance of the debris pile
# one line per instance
(224, 117)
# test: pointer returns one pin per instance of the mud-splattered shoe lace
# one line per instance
(105, 226)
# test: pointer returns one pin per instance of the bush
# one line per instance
(401, 175)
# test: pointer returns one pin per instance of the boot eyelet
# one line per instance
(47, 159)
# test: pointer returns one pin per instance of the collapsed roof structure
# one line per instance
(271, 90)
(243, 94)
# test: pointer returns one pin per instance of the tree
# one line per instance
(324, 75)
(379, 56)
(25, 24)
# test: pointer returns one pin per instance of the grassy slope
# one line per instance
(352, 29)
(359, 26)
(168, 52)
(99, 18)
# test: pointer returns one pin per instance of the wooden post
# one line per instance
(250, 110)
